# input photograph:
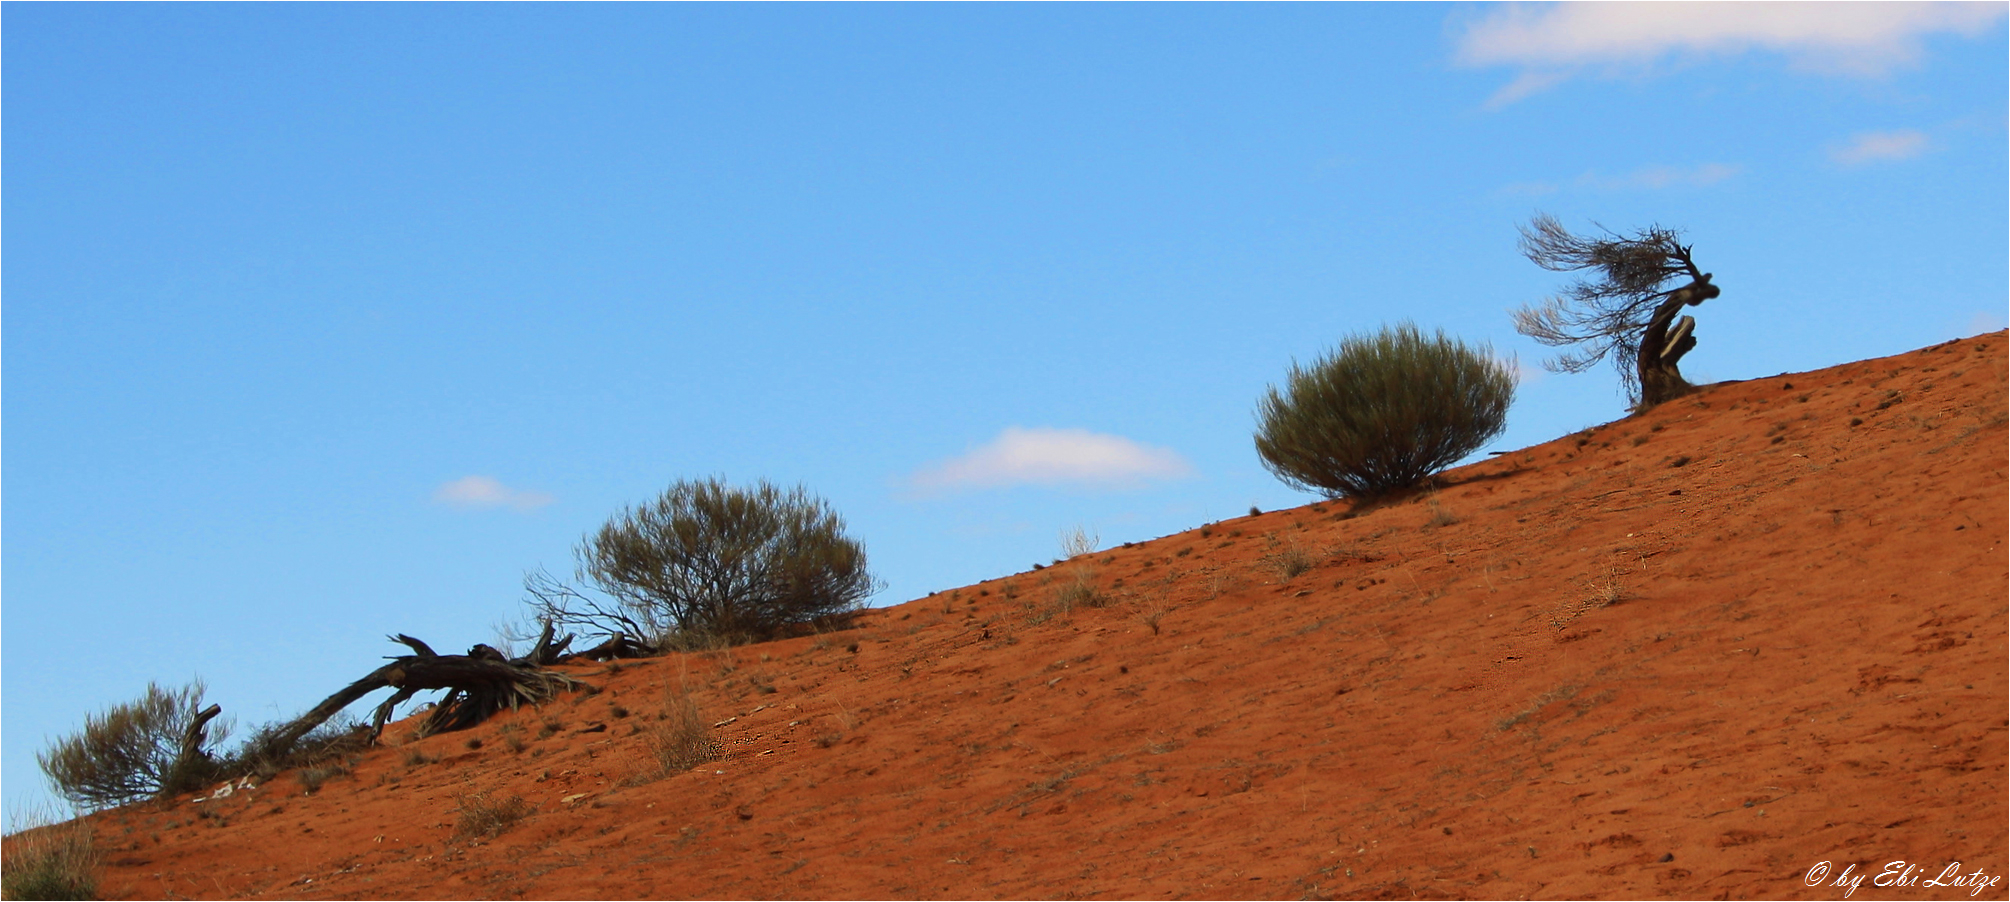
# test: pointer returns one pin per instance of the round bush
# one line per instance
(1382, 413)
(712, 561)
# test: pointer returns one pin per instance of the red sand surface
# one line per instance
(1690, 653)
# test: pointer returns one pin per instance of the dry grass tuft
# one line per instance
(482, 816)
(1151, 612)
(1080, 592)
(1605, 590)
(680, 739)
(1079, 542)
(1287, 559)
(48, 860)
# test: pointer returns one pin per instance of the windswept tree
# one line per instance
(1621, 309)
(159, 744)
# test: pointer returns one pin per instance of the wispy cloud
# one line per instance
(485, 492)
(1654, 178)
(1045, 456)
(1525, 85)
(1874, 147)
(1986, 321)
(1523, 373)
(1551, 43)
(1649, 178)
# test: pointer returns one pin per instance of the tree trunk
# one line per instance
(1664, 343)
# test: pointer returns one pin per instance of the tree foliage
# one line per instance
(157, 744)
(719, 561)
(1611, 313)
(1381, 413)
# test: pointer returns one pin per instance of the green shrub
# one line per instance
(49, 860)
(136, 750)
(1382, 413)
(711, 561)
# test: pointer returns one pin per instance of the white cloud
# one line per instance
(1871, 147)
(483, 491)
(1044, 456)
(1550, 43)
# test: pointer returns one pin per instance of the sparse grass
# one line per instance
(1080, 592)
(311, 778)
(1440, 517)
(482, 816)
(50, 860)
(680, 739)
(512, 736)
(418, 758)
(1560, 693)
(340, 736)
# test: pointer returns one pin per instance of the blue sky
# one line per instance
(323, 322)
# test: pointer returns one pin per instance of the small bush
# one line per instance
(708, 562)
(48, 860)
(481, 816)
(1382, 413)
(134, 750)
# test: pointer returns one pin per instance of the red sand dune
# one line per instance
(1690, 653)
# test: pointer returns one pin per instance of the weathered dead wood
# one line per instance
(478, 684)
(545, 651)
(614, 647)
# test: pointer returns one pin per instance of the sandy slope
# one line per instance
(1687, 654)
